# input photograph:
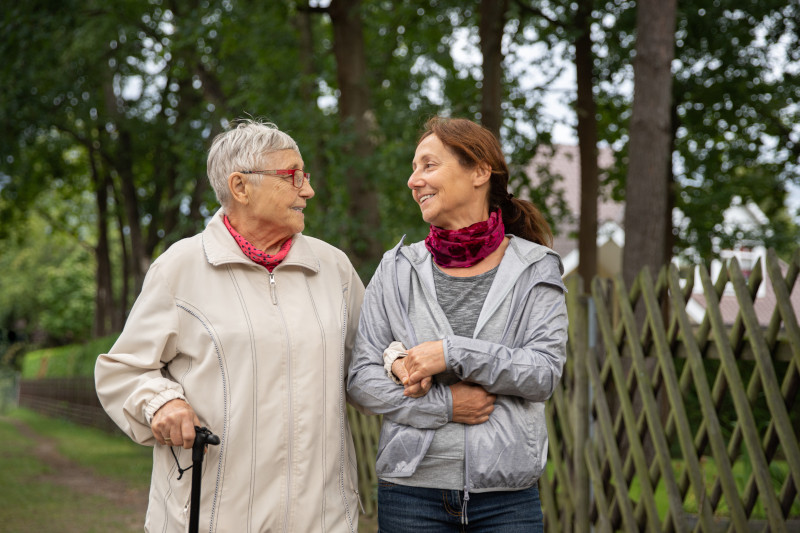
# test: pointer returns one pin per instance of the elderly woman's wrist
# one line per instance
(161, 399)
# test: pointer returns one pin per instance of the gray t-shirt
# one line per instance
(461, 299)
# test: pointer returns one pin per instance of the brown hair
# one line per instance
(473, 144)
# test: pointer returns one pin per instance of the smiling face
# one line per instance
(268, 209)
(450, 195)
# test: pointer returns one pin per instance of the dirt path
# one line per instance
(131, 504)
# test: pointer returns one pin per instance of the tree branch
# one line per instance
(306, 8)
(539, 13)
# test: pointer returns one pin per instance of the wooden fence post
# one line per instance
(579, 338)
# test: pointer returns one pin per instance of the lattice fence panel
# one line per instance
(691, 427)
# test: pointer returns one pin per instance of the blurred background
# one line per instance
(108, 110)
(671, 126)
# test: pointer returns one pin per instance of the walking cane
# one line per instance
(203, 437)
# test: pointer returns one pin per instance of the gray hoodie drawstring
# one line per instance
(464, 518)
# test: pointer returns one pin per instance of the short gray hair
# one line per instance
(241, 148)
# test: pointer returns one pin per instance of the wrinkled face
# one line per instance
(449, 195)
(276, 204)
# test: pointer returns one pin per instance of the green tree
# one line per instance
(734, 114)
(47, 286)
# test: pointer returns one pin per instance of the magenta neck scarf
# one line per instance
(256, 255)
(465, 247)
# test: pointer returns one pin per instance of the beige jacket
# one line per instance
(261, 358)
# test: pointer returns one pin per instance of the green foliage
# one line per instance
(47, 286)
(65, 361)
(734, 116)
(124, 101)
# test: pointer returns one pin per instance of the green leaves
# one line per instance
(115, 105)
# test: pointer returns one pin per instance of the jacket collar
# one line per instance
(221, 248)
(518, 257)
(523, 253)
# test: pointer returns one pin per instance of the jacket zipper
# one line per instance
(272, 288)
(290, 430)
(342, 410)
(464, 519)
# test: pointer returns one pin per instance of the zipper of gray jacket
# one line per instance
(290, 431)
(413, 337)
(464, 519)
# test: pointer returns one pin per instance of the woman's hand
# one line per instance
(173, 424)
(424, 361)
(472, 404)
(414, 391)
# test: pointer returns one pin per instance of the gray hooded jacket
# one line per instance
(522, 366)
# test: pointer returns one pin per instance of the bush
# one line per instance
(73, 360)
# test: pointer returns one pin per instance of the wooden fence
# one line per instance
(71, 399)
(675, 426)
(658, 424)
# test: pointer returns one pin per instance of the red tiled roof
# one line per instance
(764, 304)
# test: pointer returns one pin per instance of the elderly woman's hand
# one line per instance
(173, 424)
(423, 361)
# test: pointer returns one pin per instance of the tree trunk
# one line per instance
(104, 297)
(587, 145)
(646, 192)
(358, 119)
(125, 295)
(309, 91)
(140, 260)
(492, 24)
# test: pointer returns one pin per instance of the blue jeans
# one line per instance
(404, 509)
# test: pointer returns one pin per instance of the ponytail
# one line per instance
(520, 217)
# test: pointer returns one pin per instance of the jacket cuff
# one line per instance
(159, 401)
(448, 396)
(446, 346)
(395, 351)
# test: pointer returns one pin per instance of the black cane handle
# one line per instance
(202, 438)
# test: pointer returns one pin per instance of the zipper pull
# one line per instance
(272, 288)
(358, 496)
(464, 519)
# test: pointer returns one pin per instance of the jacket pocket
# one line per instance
(509, 451)
(400, 449)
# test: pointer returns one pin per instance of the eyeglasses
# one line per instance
(297, 175)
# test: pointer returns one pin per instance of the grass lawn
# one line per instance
(33, 496)
(114, 456)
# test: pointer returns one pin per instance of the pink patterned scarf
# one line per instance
(256, 255)
(465, 247)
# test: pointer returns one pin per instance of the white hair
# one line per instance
(243, 148)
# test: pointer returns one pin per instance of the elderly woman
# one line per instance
(480, 306)
(246, 328)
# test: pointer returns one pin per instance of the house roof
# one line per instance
(564, 161)
(764, 303)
